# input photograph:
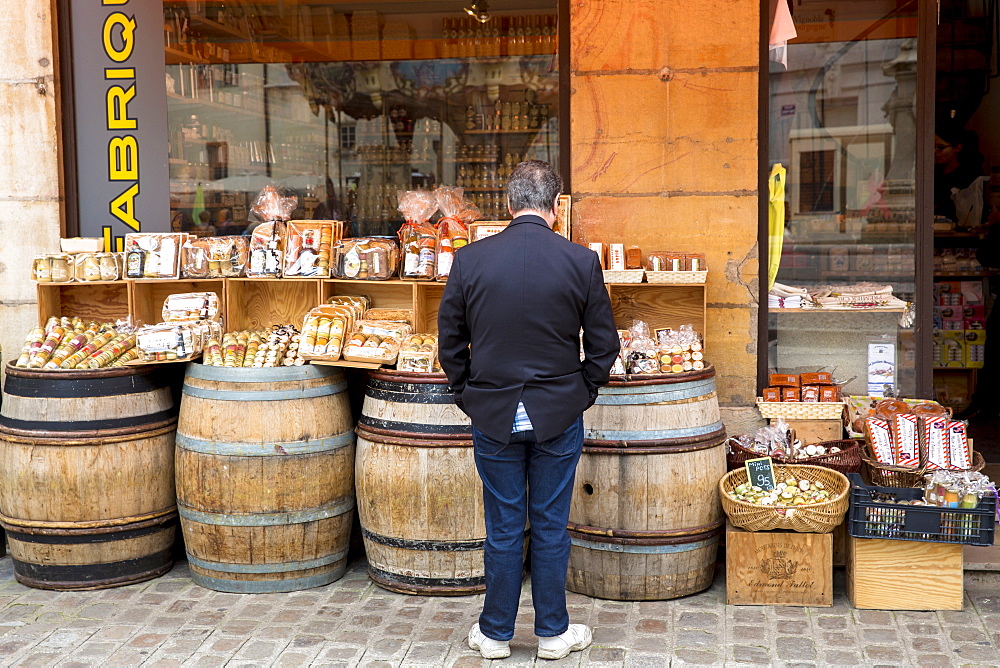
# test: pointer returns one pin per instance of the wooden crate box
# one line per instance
(904, 574)
(778, 568)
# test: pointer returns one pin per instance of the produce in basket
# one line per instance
(787, 493)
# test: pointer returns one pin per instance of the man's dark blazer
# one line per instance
(520, 299)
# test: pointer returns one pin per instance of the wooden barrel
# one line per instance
(420, 499)
(87, 490)
(87, 404)
(265, 476)
(645, 518)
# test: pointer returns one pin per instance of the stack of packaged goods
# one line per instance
(256, 349)
(812, 387)
(190, 321)
(69, 343)
(662, 351)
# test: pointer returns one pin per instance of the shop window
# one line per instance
(346, 104)
(842, 220)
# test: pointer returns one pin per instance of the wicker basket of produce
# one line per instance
(817, 507)
(876, 473)
(846, 459)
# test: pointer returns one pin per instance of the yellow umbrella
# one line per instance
(775, 221)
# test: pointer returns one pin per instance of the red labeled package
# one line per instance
(816, 378)
(935, 441)
(810, 393)
(772, 394)
(959, 451)
(789, 394)
(879, 437)
(905, 440)
(829, 393)
(784, 380)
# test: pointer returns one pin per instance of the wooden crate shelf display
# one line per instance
(778, 568)
(904, 575)
(259, 303)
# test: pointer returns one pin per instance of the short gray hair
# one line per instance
(533, 185)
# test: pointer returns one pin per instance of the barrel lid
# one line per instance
(275, 374)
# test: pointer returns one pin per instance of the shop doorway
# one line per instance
(966, 207)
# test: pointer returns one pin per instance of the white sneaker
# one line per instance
(576, 637)
(488, 647)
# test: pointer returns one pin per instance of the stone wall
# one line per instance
(31, 204)
(664, 150)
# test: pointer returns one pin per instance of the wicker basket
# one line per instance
(816, 518)
(801, 410)
(876, 473)
(676, 277)
(623, 275)
(848, 460)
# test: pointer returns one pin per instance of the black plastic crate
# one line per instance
(878, 519)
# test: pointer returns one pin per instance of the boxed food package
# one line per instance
(417, 353)
(367, 258)
(790, 394)
(81, 245)
(417, 237)
(175, 341)
(215, 257)
(783, 380)
(453, 230)
(772, 394)
(324, 329)
(308, 247)
(183, 307)
(267, 242)
(154, 255)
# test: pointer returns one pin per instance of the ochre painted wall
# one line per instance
(663, 123)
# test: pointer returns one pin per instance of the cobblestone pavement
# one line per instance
(171, 621)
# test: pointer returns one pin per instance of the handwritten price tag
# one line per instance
(760, 472)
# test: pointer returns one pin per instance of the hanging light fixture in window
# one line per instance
(479, 10)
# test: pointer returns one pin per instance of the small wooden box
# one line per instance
(778, 568)
(817, 431)
(904, 574)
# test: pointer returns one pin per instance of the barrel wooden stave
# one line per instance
(645, 517)
(94, 403)
(667, 570)
(87, 480)
(414, 503)
(656, 409)
(86, 476)
(92, 558)
(265, 484)
(647, 493)
(420, 499)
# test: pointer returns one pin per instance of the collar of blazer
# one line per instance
(529, 218)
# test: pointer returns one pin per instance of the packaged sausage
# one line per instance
(154, 255)
(772, 394)
(783, 380)
(879, 437)
(790, 394)
(417, 238)
(810, 393)
(367, 258)
(816, 378)
(215, 257)
(453, 230)
(905, 440)
(308, 247)
(934, 440)
(959, 450)
(829, 393)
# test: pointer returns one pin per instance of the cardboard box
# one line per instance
(778, 568)
(952, 349)
(904, 575)
(975, 348)
(816, 431)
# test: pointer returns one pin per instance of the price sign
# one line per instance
(760, 472)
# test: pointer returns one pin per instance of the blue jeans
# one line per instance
(527, 480)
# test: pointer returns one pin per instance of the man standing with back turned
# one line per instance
(509, 340)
